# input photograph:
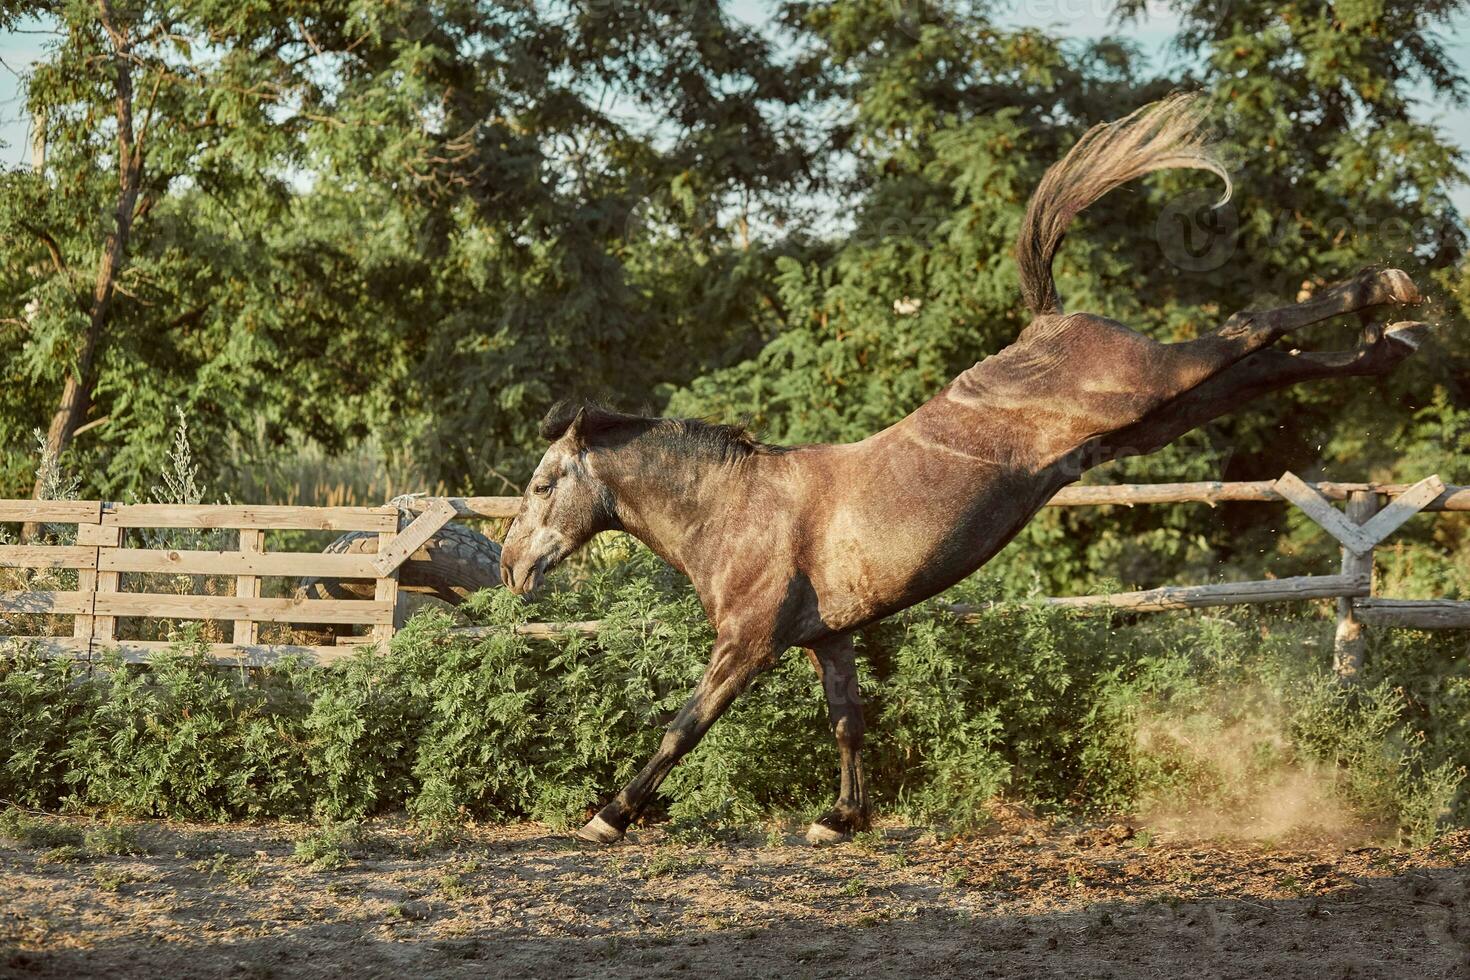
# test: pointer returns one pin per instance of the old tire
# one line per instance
(454, 563)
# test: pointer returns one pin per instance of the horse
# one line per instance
(800, 546)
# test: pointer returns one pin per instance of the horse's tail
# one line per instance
(1160, 136)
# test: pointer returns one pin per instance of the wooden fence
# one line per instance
(100, 559)
(1373, 512)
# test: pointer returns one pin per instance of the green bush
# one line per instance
(332, 845)
(1073, 714)
(43, 712)
(182, 739)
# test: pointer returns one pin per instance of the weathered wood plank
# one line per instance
(1121, 494)
(61, 603)
(276, 563)
(105, 539)
(94, 535)
(51, 511)
(491, 507)
(1127, 495)
(160, 606)
(1173, 597)
(1399, 509)
(47, 556)
(1130, 494)
(233, 654)
(1424, 614)
(82, 624)
(1323, 514)
(385, 590)
(1165, 599)
(394, 553)
(260, 516)
(1452, 498)
(494, 508)
(68, 647)
(252, 544)
(1124, 494)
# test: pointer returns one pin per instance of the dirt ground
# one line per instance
(1025, 900)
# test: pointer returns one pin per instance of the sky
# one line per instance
(1080, 19)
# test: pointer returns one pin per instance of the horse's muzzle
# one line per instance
(523, 578)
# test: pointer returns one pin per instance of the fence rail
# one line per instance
(1452, 498)
(100, 558)
(1172, 597)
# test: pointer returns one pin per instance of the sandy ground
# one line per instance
(1025, 900)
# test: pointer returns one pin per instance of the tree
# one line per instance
(952, 121)
(416, 226)
(153, 112)
(426, 223)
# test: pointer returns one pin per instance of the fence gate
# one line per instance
(112, 570)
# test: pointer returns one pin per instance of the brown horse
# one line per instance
(798, 547)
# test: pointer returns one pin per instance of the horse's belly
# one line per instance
(876, 563)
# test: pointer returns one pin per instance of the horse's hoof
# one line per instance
(1408, 332)
(1401, 288)
(820, 834)
(599, 831)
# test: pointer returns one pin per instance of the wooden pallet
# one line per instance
(100, 559)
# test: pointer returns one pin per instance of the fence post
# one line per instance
(101, 630)
(385, 589)
(247, 631)
(81, 629)
(1349, 644)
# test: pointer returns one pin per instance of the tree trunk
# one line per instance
(76, 390)
(38, 140)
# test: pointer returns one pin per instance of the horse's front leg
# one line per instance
(733, 665)
(836, 664)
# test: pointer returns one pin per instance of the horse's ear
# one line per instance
(578, 422)
(561, 417)
(577, 430)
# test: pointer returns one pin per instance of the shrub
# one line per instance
(1070, 713)
(183, 739)
(332, 845)
(112, 840)
(44, 710)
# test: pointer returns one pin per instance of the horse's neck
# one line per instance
(664, 503)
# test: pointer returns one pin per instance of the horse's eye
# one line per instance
(542, 489)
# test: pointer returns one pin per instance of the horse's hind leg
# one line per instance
(836, 664)
(1102, 376)
(1264, 371)
(1189, 363)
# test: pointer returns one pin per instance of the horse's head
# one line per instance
(563, 507)
(605, 470)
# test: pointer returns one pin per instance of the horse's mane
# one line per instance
(693, 437)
